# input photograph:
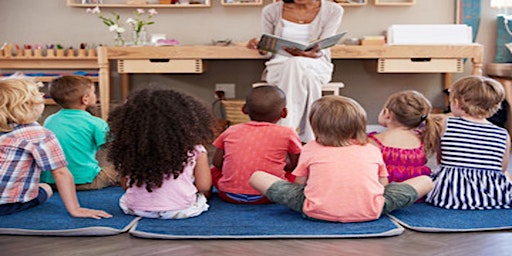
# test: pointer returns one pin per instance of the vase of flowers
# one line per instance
(139, 23)
(113, 23)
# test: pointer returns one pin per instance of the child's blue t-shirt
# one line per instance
(80, 135)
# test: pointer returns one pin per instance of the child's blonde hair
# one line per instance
(478, 96)
(413, 110)
(338, 121)
(67, 91)
(18, 99)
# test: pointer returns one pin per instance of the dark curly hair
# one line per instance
(153, 133)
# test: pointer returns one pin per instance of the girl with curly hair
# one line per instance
(157, 147)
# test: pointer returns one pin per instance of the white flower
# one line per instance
(152, 12)
(120, 30)
(96, 10)
(131, 21)
(113, 27)
(140, 11)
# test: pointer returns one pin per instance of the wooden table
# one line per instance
(474, 52)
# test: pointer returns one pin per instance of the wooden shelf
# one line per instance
(55, 65)
(47, 79)
(241, 3)
(73, 3)
(394, 2)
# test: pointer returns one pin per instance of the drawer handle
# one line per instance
(159, 60)
(421, 59)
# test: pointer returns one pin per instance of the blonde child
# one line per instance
(157, 148)
(410, 136)
(340, 176)
(27, 149)
(474, 152)
(80, 134)
(260, 144)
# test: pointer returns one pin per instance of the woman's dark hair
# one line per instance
(288, 1)
(153, 134)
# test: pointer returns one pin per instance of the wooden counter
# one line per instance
(474, 52)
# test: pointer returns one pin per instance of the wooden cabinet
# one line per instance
(394, 2)
(120, 4)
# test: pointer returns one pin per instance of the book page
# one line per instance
(273, 43)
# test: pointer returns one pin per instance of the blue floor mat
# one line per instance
(230, 221)
(52, 219)
(428, 218)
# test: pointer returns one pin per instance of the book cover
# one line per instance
(271, 43)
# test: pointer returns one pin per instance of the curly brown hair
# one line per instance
(153, 134)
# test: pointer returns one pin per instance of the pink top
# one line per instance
(254, 146)
(343, 182)
(403, 164)
(174, 194)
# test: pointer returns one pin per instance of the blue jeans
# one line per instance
(6, 209)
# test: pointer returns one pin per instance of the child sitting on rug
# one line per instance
(410, 135)
(157, 146)
(474, 152)
(340, 176)
(80, 134)
(260, 144)
(27, 149)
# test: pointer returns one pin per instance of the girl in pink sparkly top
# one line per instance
(410, 135)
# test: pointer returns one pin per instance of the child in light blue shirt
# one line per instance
(80, 134)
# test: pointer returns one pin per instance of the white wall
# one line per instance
(51, 21)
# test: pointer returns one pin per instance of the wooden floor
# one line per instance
(408, 243)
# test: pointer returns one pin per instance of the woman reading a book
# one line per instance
(300, 74)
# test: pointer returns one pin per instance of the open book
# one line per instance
(271, 43)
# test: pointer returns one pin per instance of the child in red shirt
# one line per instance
(260, 144)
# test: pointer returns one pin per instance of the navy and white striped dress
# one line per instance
(470, 173)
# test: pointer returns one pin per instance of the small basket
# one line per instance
(233, 110)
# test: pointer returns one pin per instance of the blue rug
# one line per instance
(52, 219)
(428, 218)
(230, 221)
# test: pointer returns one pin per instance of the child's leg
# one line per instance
(108, 176)
(45, 192)
(422, 184)
(278, 190)
(217, 175)
(48, 189)
(261, 181)
(400, 195)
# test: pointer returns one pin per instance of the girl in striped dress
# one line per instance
(473, 152)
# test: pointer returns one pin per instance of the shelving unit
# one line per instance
(394, 2)
(75, 3)
(10, 63)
